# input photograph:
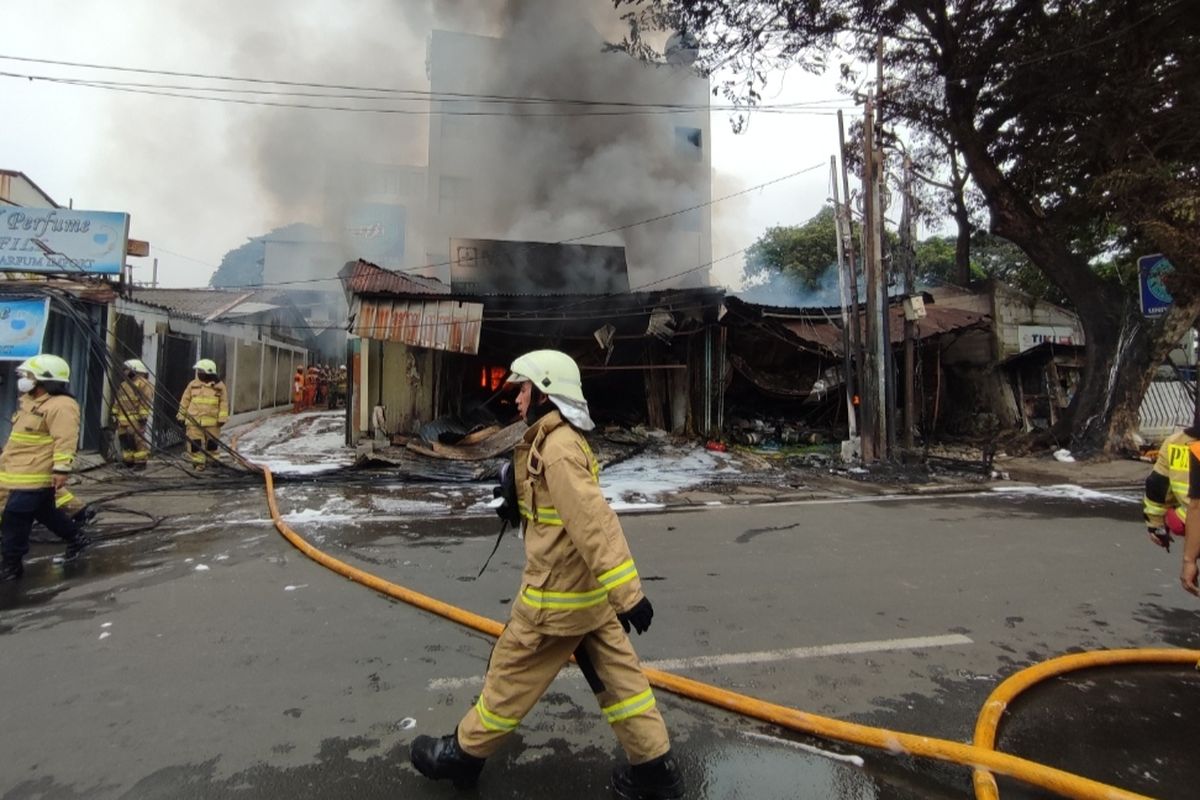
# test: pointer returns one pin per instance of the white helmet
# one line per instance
(556, 375)
(136, 365)
(206, 365)
(553, 373)
(45, 367)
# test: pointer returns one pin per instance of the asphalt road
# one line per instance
(209, 659)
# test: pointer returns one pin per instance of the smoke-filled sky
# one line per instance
(200, 177)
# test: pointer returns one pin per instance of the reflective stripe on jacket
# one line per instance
(204, 404)
(578, 568)
(45, 435)
(134, 400)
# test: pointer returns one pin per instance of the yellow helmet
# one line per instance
(136, 365)
(45, 367)
(552, 372)
(206, 365)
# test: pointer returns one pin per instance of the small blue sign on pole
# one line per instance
(1155, 296)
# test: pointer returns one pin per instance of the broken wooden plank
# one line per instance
(498, 443)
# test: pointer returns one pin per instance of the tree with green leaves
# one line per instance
(803, 253)
(1076, 120)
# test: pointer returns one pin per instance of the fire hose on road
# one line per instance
(980, 756)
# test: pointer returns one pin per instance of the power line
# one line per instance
(416, 112)
(391, 91)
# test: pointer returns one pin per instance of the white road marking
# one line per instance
(818, 651)
(762, 656)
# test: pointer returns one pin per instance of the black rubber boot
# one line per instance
(443, 758)
(10, 571)
(657, 779)
(76, 547)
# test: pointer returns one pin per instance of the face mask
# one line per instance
(25, 385)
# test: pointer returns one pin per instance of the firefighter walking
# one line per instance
(203, 409)
(135, 398)
(580, 594)
(36, 461)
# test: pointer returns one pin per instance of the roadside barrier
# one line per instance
(981, 756)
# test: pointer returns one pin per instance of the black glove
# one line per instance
(508, 511)
(639, 616)
(1160, 537)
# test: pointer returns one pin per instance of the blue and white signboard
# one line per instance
(22, 325)
(1156, 299)
(62, 240)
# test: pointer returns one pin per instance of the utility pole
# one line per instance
(887, 371)
(847, 217)
(910, 325)
(843, 301)
(874, 405)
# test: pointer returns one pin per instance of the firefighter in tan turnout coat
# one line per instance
(36, 462)
(203, 410)
(131, 410)
(580, 594)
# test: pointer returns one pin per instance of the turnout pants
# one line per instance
(202, 444)
(523, 664)
(132, 436)
(21, 509)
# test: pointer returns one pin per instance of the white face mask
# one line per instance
(25, 385)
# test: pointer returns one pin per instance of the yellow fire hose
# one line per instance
(981, 756)
(1003, 695)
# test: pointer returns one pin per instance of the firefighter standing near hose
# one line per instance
(203, 409)
(580, 594)
(1165, 501)
(135, 397)
(1171, 504)
(36, 461)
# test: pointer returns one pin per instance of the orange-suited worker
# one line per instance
(298, 391)
(131, 409)
(1171, 503)
(203, 409)
(580, 594)
(310, 387)
(37, 460)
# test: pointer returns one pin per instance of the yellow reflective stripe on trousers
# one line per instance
(31, 438)
(1180, 488)
(1152, 507)
(495, 722)
(1182, 512)
(62, 499)
(571, 601)
(638, 704)
(622, 573)
(547, 515)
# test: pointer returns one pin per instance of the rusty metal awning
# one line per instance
(827, 333)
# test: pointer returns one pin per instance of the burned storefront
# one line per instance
(786, 380)
(430, 359)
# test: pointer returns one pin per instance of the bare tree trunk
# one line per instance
(962, 217)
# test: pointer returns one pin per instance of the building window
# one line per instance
(452, 194)
(689, 142)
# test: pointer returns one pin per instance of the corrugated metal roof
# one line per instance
(193, 303)
(363, 277)
(937, 321)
